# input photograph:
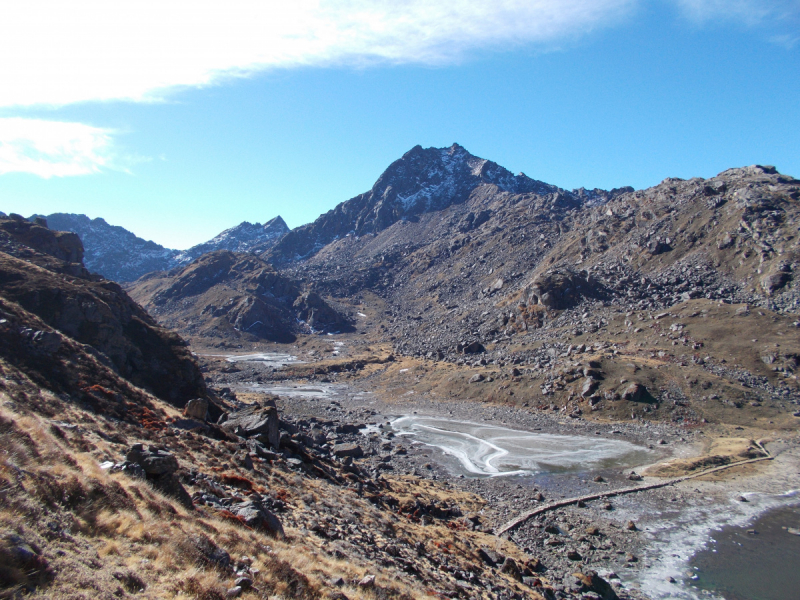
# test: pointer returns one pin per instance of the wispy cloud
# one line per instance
(56, 53)
(53, 148)
(749, 12)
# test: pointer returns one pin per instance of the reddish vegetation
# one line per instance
(238, 481)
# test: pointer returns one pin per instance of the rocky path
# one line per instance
(516, 522)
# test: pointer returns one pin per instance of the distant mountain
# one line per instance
(252, 238)
(113, 251)
(423, 180)
(120, 255)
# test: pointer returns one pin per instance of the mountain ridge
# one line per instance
(423, 180)
(120, 255)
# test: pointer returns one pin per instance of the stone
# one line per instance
(490, 557)
(351, 450)
(631, 526)
(510, 567)
(635, 392)
(210, 552)
(244, 582)
(159, 463)
(589, 386)
(477, 378)
(574, 555)
(560, 288)
(367, 581)
(257, 421)
(153, 462)
(48, 342)
(592, 582)
(255, 515)
(592, 530)
(196, 409)
(772, 283)
(234, 592)
(473, 348)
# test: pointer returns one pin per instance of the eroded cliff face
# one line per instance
(37, 273)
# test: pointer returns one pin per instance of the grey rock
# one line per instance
(196, 409)
(351, 450)
(256, 421)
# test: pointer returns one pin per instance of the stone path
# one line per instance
(516, 522)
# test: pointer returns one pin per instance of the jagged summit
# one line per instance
(429, 179)
(422, 180)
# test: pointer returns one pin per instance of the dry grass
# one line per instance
(719, 452)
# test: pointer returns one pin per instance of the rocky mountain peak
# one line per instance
(422, 180)
(427, 179)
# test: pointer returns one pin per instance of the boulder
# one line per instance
(772, 283)
(589, 386)
(473, 348)
(153, 462)
(254, 514)
(351, 450)
(257, 422)
(635, 392)
(560, 288)
(592, 582)
(47, 342)
(196, 409)
(511, 568)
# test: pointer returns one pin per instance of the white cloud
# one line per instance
(54, 52)
(53, 148)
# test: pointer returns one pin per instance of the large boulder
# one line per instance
(560, 288)
(153, 461)
(256, 421)
(254, 514)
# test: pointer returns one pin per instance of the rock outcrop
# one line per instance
(229, 294)
(92, 311)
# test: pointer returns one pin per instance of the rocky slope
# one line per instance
(675, 302)
(224, 295)
(423, 181)
(40, 271)
(120, 255)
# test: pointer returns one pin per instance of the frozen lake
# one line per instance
(482, 450)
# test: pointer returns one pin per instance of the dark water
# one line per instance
(753, 566)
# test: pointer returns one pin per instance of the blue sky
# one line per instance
(177, 120)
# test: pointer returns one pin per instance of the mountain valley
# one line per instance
(462, 383)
